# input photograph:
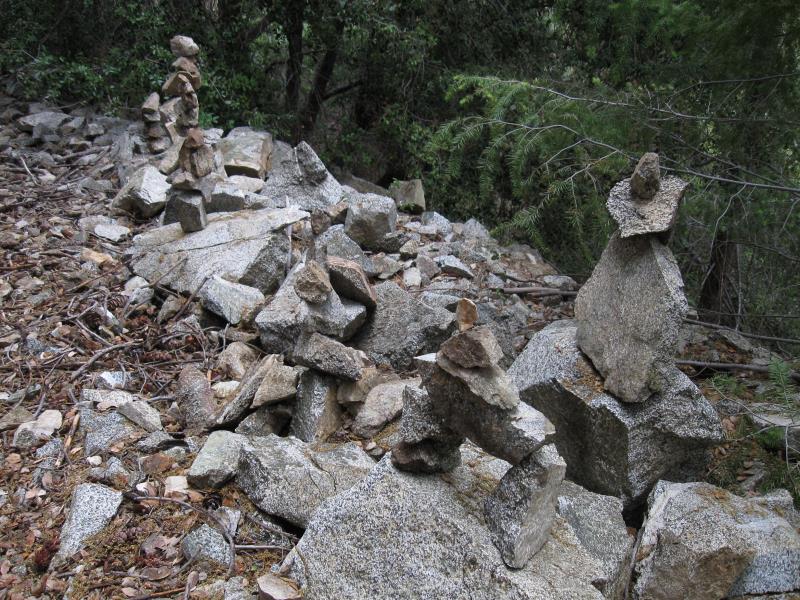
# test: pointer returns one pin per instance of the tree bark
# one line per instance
(293, 26)
(322, 76)
(719, 296)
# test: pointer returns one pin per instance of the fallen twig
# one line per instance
(98, 355)
(722, 366)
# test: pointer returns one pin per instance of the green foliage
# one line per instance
(781, 381)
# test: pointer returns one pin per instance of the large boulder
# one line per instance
(700, 541)
(407, 536)
(369, 218)
(629, 316)
(246, 152)
(289, 479)
(300, 176)
(144, 193)
(612, 447)
(247, 247)
(402, 327)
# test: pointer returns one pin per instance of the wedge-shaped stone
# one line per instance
(234, 302)
(93, 506)
(288, 478)
(369, 218)
(655, 215)
(317, 415)
(349, 280)
(217, 460)
(145, 193)
(329, 356)
(242, 247)
(299, 175)
(613, 447)
(629, 315)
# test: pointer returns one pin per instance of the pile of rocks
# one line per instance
(637, 418)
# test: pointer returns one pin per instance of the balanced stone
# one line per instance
(636, 216)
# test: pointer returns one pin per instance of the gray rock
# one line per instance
(409, 195)
(646, 179)
(246, 152)
(195, 399)
(354, 393)
(300, 176)
(48, 119)
(350, 281)
(629, 315)
(611, 447)
(653, 215)
(474, 230)
(279, 384)
(335, 242)
(182, 45)
(38, 431)
(142, 414)
(743, 548)
(93, 506)
(406, 536)
(476, 347)
(287, 315)
(114, 474)
(412, 278)
(440, 223)
(317, 414)
(235, 409)
(216, 462)
(452, 266)
(328, 356)
(383, 404)
(267, 419)
(189, 211)
(560, 282)
(234, 302)
(103, 430)
(423, 327)
(369, 218)
(312, 283)
(521, 510)
(236, 359)
(598, 524)
(386, 266)
(227, 197)
(240, 247)
(427, 266)
(206, 543)
(145, 192)
(157, 441)
(289, 479)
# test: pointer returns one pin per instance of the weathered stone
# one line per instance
(598, 524)
(629, 315)
(412, 278)
(409, 195)
(217, 461)
(335, 242)
(467, 316)
(189, 211)
(409, 249)
(235, 409)
(612, 447)
(15, 417)
(189, 68)
(383, 404)
(352, 393)
(328, 356)
(195, 399)
(141, 413)
(150, 106)
(402, 327)
(369, 218)
(47, 119)
(279, 384)
(103, 430)
(407, 536)
(440, 223)
(93, 506)
(227, 197)
(521, 510)
(427, 266)
(300, 176)
(234, 302)
(452, 266)
(206, 543)
(645, 181)
(145, 192)
(272, 587)
(475, 347)
(474, 230)
(236, 359)
(312, 283)
(182, 45)
(386, 266)
(246, 152)
(287, 315)
(349, 280)
(287, 478)
(35, 433)
(238, 247)
(266, 420)
(655, 215)
(317, 414)
(704, 542)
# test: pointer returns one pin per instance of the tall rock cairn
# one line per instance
(630, 311)
(167, 122)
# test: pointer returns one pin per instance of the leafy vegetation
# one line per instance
(522, 113)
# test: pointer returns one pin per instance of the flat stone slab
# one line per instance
(636, 217)
(243, 247)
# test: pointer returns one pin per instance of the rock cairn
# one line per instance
(641, 419)
(467, 395)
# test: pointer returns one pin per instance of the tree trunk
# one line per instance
(720, 294)
(293, 26)
(322, 76)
